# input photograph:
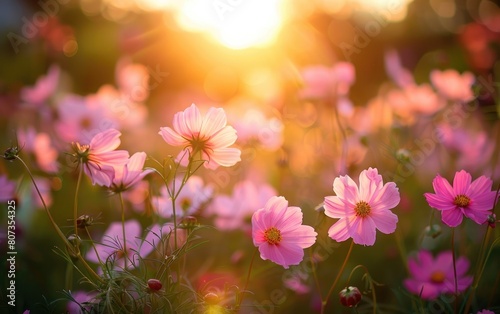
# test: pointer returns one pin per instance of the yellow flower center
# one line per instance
(362, 209)
(461, 200)
(185, 204)
(438, 277)
(272, 236)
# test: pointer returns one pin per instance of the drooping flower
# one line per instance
(99, 158)
(453, 85)
(470, 199)
(434, 276)
(231, 211)
(126, 176)
(208, 135)
(278, 232)
(190, 199)
(362, 210)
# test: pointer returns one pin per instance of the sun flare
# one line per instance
(236, 24)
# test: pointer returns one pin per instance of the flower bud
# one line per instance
(433, 231)
(492, 220)
(84, 221)
(189, 222)
(154, 285)
(211, 298)
(350, 296)
(11, 153)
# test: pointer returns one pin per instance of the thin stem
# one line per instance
(125, 256)
(342, 167)
(93, 246)
(75, 251)
(75, 205)
(248, 278)
(325, 301)
(454, 268)
(313, 269)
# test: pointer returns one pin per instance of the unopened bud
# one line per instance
(350, 296)
(492, 220)
(84, 221)
(211, 298)
(433, 231)
(154, 285)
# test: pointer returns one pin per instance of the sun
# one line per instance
(236, 24)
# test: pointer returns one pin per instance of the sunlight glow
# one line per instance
(237, 24)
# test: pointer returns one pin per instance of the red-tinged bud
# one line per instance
(211, 298)
(154, 285)
(350, 296)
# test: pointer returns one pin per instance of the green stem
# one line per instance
(125, 256)
(74, 251)
(248, 278)
(75, 204)
(325, 301)
(454, 268)
(313, 269)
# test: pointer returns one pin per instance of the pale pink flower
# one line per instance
(254, 126)
(40, 145)
(414, 99)
(278, 232)
(193, 195)
(8, 189)
(208, 135)
(44, 87)
(81, 118)
(453, 85)
(401, 76)
(472, 199)
(433, 276)
(231, 212)
(322, 82)
(127, 175)
(99, 158)
(132, 80)
(362, 210)
(137, 196)
(111, 248)
(297, 282)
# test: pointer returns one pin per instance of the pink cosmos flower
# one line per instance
(232, 211)
(434, 276)
(190, 199)
(99, 158)
(161, 237)
(8, 190)
(362, 210)
(321, 82)
(126, 176)
(278, 232)
(81, 118)
(254, 126)
(453, 85)
(40, 145)
(414, 99)
(44, 87)
(84, 299)
(111, 247)
(472, 199)
(208, 135)
(400, 75)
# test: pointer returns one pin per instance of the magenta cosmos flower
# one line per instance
(99, 158)
(472, 199)
(278, 232)
(126, 176)
(434, 276)
(362, 211)
(208, 135)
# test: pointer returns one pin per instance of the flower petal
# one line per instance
(105, 141)
(225, 157)
(171, 137)
(452, 218)
(385, 220)
(346, 189)
(461, 182)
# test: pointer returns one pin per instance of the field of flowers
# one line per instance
(235, 156)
